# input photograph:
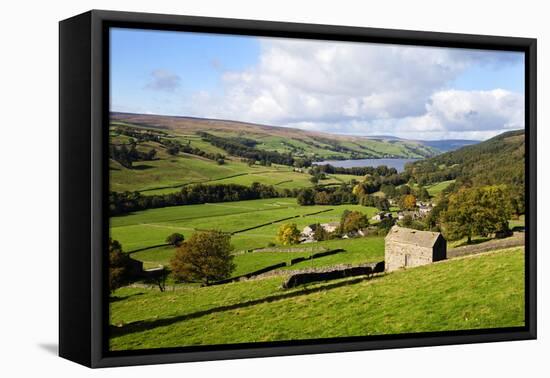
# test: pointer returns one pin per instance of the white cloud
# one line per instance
(362, 89)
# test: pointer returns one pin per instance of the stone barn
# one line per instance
(406, 247)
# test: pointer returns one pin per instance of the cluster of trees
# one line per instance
(127, 156)
(381, 170)
(497, 161)
(470, 211)
(381, 203)
(350, 221)
(476, 211)
(205, 257)
(326, 196)
(240, 147)
(141, 135)
(125, 202)
(173, 147)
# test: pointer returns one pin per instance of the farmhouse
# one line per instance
(405, 247)
(309, 231)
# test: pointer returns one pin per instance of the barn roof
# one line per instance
(411, 236)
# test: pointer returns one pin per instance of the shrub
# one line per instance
(175, 239)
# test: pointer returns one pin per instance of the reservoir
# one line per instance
(398, 164)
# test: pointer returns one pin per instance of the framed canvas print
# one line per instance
(234, 188)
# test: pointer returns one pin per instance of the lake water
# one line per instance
(398, 164)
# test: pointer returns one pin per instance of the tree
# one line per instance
(322, 198)
(423, 194)
(353, 221)
(314, 179)
(476, 211)
(408, 202)
(288, 234)
(204, 257)
(404, 190)
(320, 233)
(388, 190)
(118, 265)
(175, 239)
(407, 221)
(306, 197)
(385, 225)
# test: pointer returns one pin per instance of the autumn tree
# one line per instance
(476, 211)
(175, 239)
(288, 234)
(322, 198)
(204, 257)
(353, 221)
(408, 202)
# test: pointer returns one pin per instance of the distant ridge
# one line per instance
(298, 141)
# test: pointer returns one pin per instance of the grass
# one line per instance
(520, 222)
(169, 173)
(151, 227)
(357, 251)
(435, 189)
(483, 291)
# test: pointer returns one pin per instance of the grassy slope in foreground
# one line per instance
(483, 291)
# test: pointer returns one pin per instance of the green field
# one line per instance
(168, 173)
(435, 189)
(151, 227)
(483, 291)
(357, 251)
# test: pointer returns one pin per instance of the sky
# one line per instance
(413, 92)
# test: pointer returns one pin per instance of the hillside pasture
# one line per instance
(477, 292)
(435, 189)
(151, 227)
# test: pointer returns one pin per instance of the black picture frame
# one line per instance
(83, 180)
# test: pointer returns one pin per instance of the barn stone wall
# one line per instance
(399, 255)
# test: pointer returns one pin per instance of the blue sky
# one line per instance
(349, 88)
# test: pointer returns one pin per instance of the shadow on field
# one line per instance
(116, 299)
(142, 167)
(144, 325)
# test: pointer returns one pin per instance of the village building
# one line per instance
(424, 210)
(309, 231)
(382, 215)
(406, 247)
(330, 227)
(413, 214)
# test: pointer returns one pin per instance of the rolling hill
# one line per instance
(499, 160)
(299, 142)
